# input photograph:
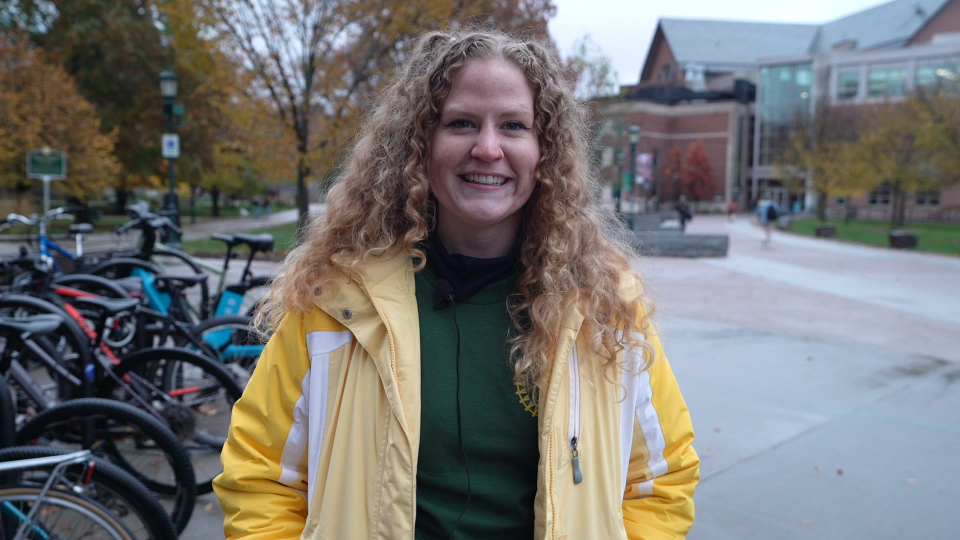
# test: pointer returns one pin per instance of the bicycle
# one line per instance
(46, 512)
(132, 438)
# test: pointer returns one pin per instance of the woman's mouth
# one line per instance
(485, 179)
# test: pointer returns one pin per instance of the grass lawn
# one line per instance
(284, 237)
(935, 237)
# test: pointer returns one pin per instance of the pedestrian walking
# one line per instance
(732, 210)
(684, 212)
(460, 346)
(767, 214)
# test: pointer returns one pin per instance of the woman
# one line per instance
(459, 345)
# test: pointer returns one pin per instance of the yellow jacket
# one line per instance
(324, 442)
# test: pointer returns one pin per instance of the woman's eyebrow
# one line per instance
(454, 111)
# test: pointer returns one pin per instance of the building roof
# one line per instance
(889, 25)
(729, 45)
(734, 43)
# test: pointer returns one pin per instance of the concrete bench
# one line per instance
(674, 244)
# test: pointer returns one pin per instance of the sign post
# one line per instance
(47, 165)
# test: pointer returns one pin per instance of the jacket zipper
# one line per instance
(573, 434)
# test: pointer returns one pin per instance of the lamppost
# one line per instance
(619, 161)
(634, 139)
(170, 146)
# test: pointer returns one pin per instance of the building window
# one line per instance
(848, 84)
(941, 75)
(886, 82)
(928, 198)
(668, 72)
(880, 196)
(783, 103)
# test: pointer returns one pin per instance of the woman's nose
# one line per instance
(487, 146)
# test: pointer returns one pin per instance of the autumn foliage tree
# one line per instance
(318, 63)
(40, 106)
(672, 167)
(696, 175)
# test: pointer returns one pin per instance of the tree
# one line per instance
(319, 62)
(40, 106)
(592, 70)
(823, 151)
(892, 154)
(672, 169)
(697, 174)
(939, 112)
(114, 51)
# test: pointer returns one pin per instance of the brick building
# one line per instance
(741, 87)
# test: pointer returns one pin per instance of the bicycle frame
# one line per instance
(61, 463)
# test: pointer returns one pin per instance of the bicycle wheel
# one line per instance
(192, 392)
(109, 486)
(233, 341)
(61, 516)
(126, 436)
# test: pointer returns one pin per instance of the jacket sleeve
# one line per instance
(664, 467)
(262, 490)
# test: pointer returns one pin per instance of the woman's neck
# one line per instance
(488, 243)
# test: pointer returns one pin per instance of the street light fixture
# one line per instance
(171, 146)
(634, 139)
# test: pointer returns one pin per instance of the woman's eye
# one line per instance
(459, 124)
(514, 126)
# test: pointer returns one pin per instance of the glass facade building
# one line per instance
(784, 102)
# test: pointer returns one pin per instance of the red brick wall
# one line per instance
(655, 126)
(948, 20)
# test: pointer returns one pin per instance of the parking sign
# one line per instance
(170, 146)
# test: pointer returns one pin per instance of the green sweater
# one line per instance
(498, 421)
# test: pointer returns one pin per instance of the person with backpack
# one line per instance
(767, 214)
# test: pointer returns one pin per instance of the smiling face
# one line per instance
(483, 157)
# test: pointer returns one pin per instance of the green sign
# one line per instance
(47, 163)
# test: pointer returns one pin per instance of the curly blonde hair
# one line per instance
(569, 253)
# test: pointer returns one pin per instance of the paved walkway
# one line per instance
(821, 378)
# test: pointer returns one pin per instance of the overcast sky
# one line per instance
(624, 28)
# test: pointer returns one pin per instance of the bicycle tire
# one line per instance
(100, 523)
(232, 340)
(109, 486)
(98, 285)
(199, 386)
(121, 267)
(145, 440)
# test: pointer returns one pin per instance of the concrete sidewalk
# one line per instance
(821, 378)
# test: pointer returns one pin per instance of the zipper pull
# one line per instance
(577, 475)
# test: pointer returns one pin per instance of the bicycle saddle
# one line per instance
(225, 238)
(188, 280)
(109, 306)
(81, 228)
(257, 242)
(37, 324)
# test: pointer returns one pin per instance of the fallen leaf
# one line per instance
(208, 507)
(818, 468)
(911, 481)
(808, 522)
(809, 359)
(706, 448)
(839, 472)
(718, 430)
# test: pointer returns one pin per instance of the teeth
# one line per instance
(485, 179)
